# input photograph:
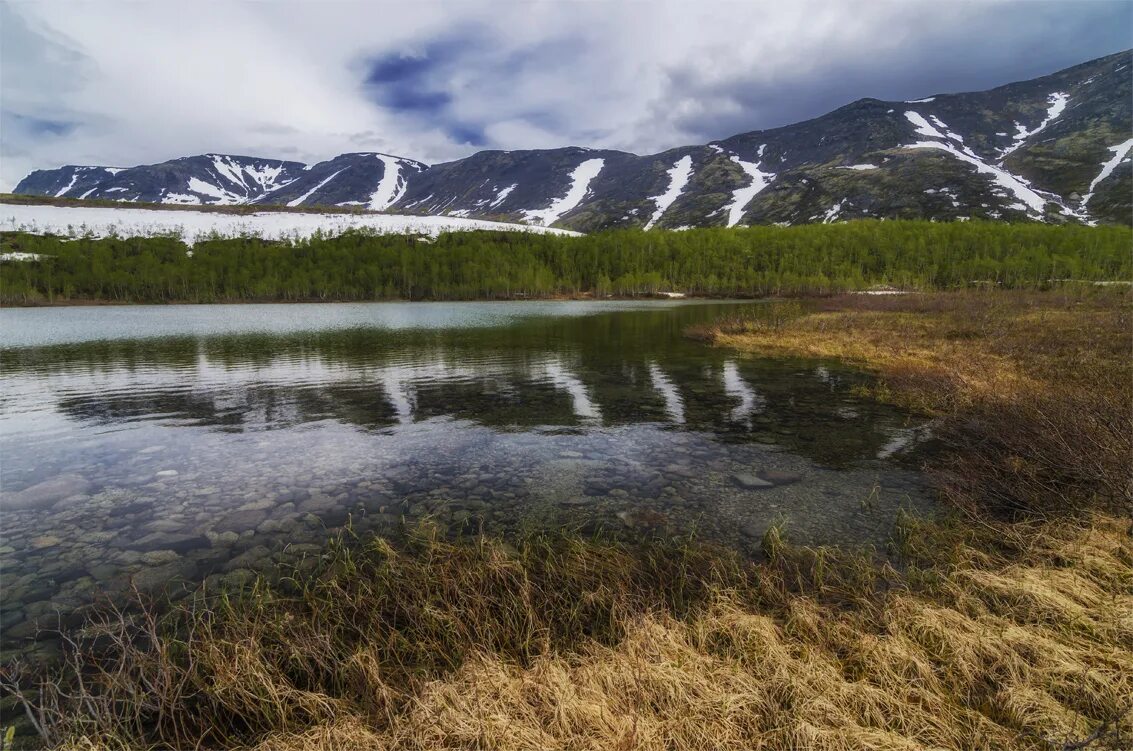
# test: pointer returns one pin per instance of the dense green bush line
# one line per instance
(740, 261)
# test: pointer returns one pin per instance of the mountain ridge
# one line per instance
(1054, 148)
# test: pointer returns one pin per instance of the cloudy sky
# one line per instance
(117, 83)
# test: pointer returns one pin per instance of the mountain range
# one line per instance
(1054, 149)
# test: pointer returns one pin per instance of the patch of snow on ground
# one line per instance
(882, 290)
(74, 221)
(678, 178)
(502, 195)
(20, 257)
(741, 197)
(1057, 102)
(833, 212)
(580, 184)
(1119, 152)
(298, 201)
(392, 187)
(182, 198)
(926, 100)
(858, 166)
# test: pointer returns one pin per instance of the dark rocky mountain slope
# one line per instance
(1054, 149)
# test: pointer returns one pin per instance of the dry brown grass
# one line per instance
(1027, 650)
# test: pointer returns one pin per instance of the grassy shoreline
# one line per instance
(1003, 625)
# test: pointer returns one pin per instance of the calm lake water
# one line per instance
(154, 444)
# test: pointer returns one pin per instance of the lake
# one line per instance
(154, 444)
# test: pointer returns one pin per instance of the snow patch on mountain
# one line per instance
(229, 169)
(741, 197)
(1004, 180)
(858, 166)
(923, 127)
(502, 195)
(833, 212)
(392, 186)
(678, 178)
(1000, 176)
(1057, 102)
(193, 226)
(68, 186)
(248, 177)
(299, 201)
(1119, 152)
(581, 177)
(947, 132)
(197, 185)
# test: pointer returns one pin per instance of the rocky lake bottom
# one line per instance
(158, 463)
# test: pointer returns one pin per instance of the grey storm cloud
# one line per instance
(1010, 42)
(125, 83)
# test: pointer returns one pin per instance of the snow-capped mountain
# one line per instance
(1053, 149)
(371, 181)
(205, 179)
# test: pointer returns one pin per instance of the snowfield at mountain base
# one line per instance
(194, 226)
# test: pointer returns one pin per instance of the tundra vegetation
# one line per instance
(1005, 623)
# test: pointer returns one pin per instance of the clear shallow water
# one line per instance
(157, 443)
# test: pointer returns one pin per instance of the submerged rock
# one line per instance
(238, 521)
(780, 477)
(44, 541)
(178, 543)
(159, 557)
(45, 493)
(751, 482)
(159, 577)
(643, 518)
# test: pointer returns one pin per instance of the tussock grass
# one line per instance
(565, 643)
